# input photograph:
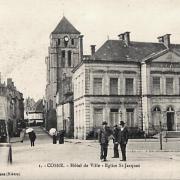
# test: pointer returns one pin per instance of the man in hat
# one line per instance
(115, 141)
(123, 139)
(103, 137)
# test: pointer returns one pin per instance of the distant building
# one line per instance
(36, 114)
(28, 106)
(11, 106)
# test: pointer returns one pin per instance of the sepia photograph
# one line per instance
(89, 90)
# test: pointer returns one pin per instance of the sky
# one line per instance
(25, 26)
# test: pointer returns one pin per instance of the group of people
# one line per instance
(59, 135)
(120, 137)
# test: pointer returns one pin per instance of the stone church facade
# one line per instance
(137, 82)
(65, 52)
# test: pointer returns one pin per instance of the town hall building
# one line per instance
(137, 82)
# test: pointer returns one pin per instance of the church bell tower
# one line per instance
(65, 52)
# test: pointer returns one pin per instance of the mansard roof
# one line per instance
(117, 50)
(65, 27)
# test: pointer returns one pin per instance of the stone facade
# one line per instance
(65, 52)
(12, 106)
(91, 109)
(153, 101)
(161, 106)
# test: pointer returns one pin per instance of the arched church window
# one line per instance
(59, 41)
(69, 58)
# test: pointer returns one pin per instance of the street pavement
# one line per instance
(78, 159)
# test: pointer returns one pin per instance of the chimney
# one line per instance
(125, 37)
(9, 81)
(93, 49)
(81, 47)
(165, 40)
(12, 84)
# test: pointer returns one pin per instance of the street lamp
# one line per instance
(160, 133)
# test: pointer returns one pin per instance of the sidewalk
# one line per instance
(134, 145)
(137, 145)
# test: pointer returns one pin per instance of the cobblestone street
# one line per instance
(80, 160)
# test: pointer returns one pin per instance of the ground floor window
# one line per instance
(130, 117)
(156, 117)
(98, 117)
(114, 117)
(170, 118)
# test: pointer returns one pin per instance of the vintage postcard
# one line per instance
(89, 89)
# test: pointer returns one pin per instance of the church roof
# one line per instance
(116, 50)
(65, 27)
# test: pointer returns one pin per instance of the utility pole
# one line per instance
(160, 134)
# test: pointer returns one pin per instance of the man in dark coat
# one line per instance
(54, 138)
(123, 139)
(115, 141)
(61, 136)
(32, 137)
(103, 137)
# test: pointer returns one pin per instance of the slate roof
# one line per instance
(116, 50)
(65, 27)
(38, 106)
(174, 49)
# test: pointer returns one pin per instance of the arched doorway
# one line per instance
(170, 118)
(156, 117)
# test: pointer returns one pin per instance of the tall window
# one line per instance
(98, 117)
(72, 41)
(114, 117)
(169, 86)
(130, 117)
(156, 117)
(63, 58)
(97, 86)
(69, 58)
(59, 41)
(129, 86)
(113, 86)
(156, 85)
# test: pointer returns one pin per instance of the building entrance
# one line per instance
(170, 119)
